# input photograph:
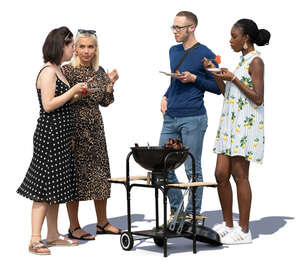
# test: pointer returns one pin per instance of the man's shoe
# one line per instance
(171, 217)
(189, 218)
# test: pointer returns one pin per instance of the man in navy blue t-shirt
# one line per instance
(183, 106)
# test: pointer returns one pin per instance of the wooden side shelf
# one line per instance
(178, 185)
(194, 184)
(123, 179)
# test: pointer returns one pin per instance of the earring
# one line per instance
(245, 46)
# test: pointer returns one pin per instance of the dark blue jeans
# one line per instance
(191, 131)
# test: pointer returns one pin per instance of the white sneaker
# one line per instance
(218, 227)
(223, 230)
(237, 236)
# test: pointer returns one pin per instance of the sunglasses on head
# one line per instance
(83, 31)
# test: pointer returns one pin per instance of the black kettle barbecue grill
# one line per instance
(161, 160)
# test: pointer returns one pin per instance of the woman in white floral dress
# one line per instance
(240, 136)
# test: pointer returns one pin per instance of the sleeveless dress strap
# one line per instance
(39, 74)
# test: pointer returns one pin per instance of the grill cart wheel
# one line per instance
(126, 241)
(159, 241)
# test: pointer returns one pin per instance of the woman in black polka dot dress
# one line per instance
(50, 177)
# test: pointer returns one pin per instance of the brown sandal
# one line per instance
(62, 241)
(38, 248)
(82, 237)
(103, 231)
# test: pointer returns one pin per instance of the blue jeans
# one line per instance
(190, 130)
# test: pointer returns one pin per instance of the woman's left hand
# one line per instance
(224, 75)
(113, 76)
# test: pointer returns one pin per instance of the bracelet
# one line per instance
(234, 77)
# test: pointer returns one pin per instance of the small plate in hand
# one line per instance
(92, 90)
(170, 74)
(214, 69)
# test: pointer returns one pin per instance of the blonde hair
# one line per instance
(95, 61)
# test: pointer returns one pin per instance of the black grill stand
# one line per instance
(160, 236)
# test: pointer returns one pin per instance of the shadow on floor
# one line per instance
(264, 226)
(120, 222)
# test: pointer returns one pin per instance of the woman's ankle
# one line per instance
(35, 238)
(229, 223)
(73, 226)
(102, 222)
(52, 236)
(245, 228)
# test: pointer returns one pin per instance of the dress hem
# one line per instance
(250, 160)
(92, 198)
(43, 201)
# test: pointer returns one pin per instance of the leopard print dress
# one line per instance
(90, 152)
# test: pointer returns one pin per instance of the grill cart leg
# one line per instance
(165, 247)
(194, 203)
(156, 208)
(194, 220)
(165, 220)
(127, 185)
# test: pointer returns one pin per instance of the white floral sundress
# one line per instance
(241, 129)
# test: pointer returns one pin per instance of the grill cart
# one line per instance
(161, 160)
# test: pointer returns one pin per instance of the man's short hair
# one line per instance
(190, 16)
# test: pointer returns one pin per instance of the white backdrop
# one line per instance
(135, 37)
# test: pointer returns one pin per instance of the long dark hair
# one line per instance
(53, 48)
(257, 36)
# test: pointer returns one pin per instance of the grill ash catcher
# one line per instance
(160, 160)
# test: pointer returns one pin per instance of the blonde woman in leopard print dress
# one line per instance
(90, 151)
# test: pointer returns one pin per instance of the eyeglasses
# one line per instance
(83, 31)
(179, 28)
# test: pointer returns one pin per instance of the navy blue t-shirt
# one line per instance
(187, 99)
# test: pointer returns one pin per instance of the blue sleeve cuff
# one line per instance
(209, 85)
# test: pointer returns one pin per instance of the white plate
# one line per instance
(214, 69)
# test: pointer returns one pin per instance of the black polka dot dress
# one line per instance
(50, 177)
